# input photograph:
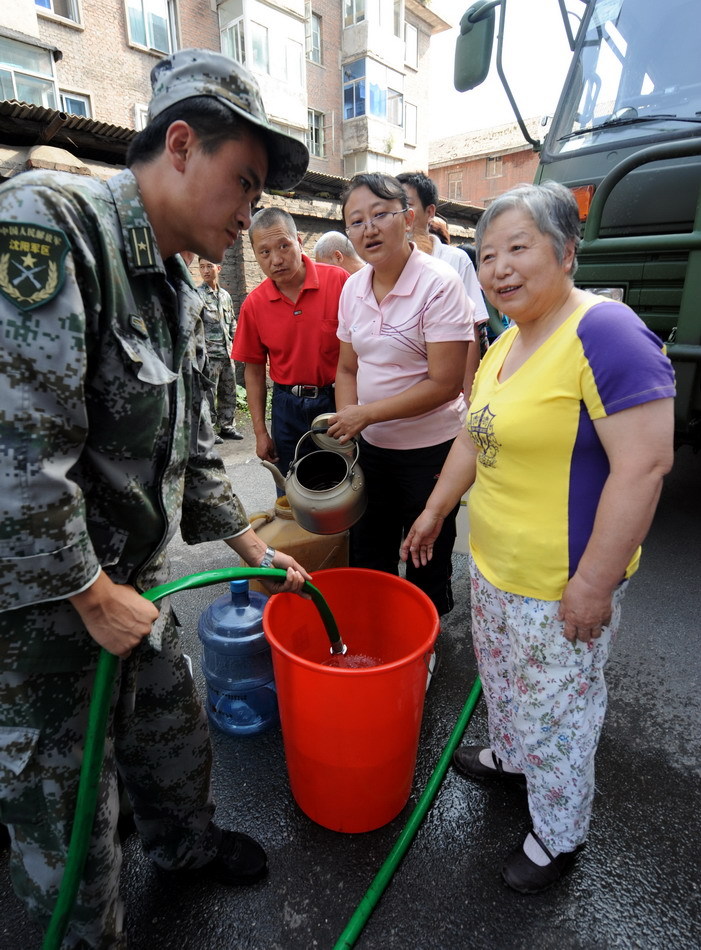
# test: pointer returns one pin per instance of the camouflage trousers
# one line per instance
(157, 741)
(223, 392)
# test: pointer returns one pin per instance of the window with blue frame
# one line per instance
(75, 104)
(370, 87)
(354, 89)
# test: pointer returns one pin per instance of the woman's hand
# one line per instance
(348, 422)
(419, 540)
(585, 610)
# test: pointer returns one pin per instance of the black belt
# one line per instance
(304, 391)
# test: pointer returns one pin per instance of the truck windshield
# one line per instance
(635, 76)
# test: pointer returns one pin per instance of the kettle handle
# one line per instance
(311, 432)
(355, 458)
(295, 460)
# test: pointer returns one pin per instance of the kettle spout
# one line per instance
(275, 472)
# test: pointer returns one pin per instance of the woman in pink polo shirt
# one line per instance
(404, 323)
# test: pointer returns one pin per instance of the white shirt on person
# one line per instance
(463, 265)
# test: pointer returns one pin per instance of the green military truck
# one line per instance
(626, 137)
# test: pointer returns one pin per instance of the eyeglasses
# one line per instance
(379, 220)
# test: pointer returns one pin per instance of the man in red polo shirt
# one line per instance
(289, 322)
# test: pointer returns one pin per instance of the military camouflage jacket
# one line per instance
(105, 437)
(218, 319)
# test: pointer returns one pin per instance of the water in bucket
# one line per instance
(351, 661)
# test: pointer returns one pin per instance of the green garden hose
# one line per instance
(98, 715)
(86, 798)
(406, 836)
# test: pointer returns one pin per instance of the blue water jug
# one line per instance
(236, 662)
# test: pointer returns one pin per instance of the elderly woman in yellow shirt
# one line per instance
(568, 436)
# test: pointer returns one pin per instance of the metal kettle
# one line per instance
(326, 488)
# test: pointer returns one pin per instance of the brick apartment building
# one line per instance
(350, 77)
(93, 57)
(476, 167)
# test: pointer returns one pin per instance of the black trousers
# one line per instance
(399, 482)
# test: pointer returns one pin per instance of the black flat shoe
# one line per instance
(527, 877)
(466, 761)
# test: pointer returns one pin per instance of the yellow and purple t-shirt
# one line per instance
(541, 467)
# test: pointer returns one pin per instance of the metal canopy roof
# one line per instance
(24, 124)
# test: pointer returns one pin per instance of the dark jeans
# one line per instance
(291, 417)
(399, 482)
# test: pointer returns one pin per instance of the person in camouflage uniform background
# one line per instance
(106, 451)
(219, 327)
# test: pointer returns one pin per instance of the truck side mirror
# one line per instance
(473, 49)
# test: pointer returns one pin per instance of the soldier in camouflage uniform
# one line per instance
(106, 451)
(219, 326)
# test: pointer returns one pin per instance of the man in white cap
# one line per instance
(105, 450)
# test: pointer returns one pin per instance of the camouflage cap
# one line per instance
(202, 72)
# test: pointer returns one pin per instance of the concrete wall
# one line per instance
(324, 87)
(20, 15)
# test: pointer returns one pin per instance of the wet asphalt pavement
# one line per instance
(635, 886)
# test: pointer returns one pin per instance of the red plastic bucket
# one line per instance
(351, 735)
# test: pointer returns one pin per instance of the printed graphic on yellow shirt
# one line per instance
(480, 425)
